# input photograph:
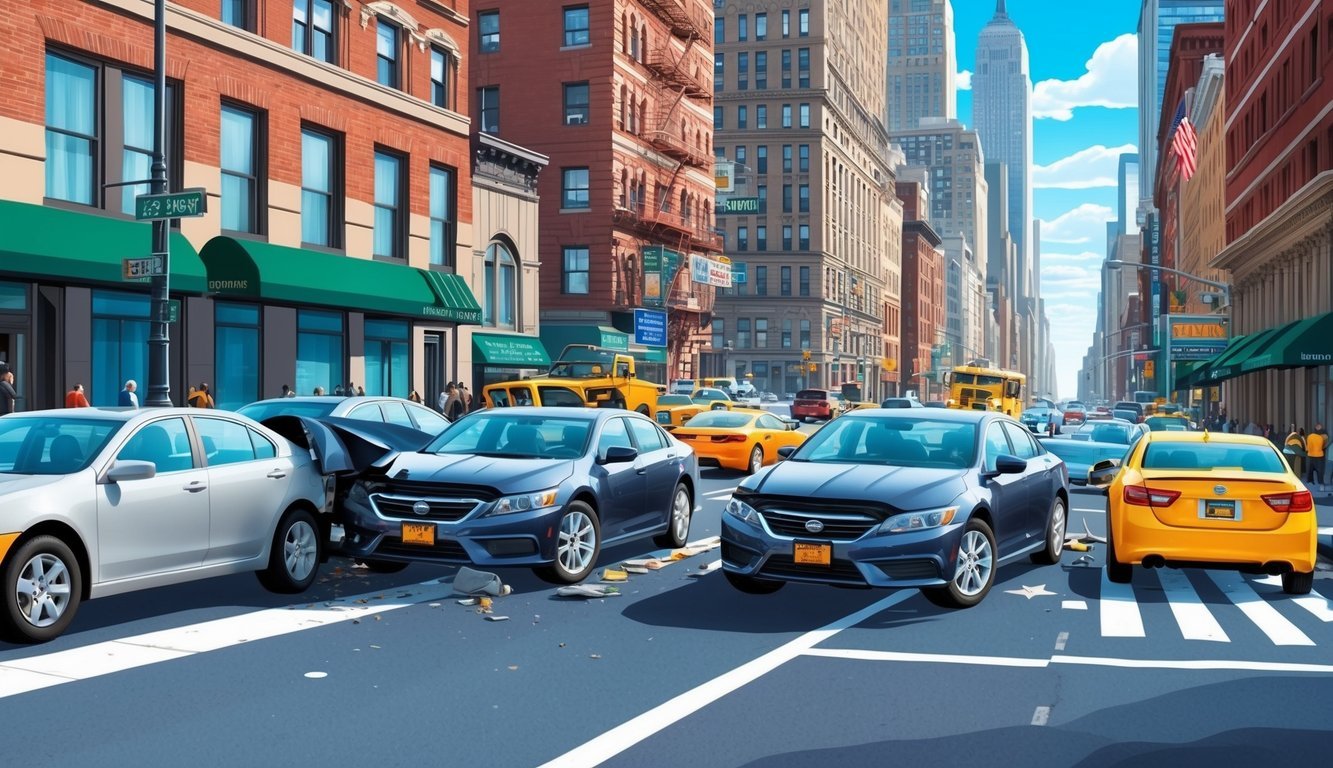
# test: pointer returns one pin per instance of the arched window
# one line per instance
(500, 286)
(624, 188)
(643, 116)
(624, 126)
(634, 41)
(624, 32)
(643, 43)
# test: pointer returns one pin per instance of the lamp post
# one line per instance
(1225, 288)
(159, 386)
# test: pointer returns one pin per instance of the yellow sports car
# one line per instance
(1208, 500)
(741, 439)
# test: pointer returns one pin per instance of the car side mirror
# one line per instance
(1007, 465)
(792, 424)
(130, 469)
(786, 451)
(619, 454)
(1101, 474)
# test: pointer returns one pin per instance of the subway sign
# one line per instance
(738, 205)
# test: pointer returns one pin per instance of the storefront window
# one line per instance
(319, 351)
(236, 355)
(388, 366)
(120, 345)
(13, 297)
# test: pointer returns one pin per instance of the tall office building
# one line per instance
(922, 62)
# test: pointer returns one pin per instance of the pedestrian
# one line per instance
(75, 398)
(1294, 449)
(453, 405)
(1270, 432)
(360, 391)
(8, 395)
(201, 398)
(442, 400)
(320, 391)
(413, 396)
(1316, 444)
(466, 396)
(337, 390)
(287, 391)
(128, 398)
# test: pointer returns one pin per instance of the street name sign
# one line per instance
(138, 269)
(176, 205)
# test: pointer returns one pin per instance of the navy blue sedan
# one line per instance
(899, 498)
(541, 487)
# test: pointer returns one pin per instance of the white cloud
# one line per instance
(1110, 80)
(1074, 258)
(1084, 224)
(1096, 166)
(963, 80)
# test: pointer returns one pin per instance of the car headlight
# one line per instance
(918, 521)
(739, 509)
(358, 494)
(524, 502)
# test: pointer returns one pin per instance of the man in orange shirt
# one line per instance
(75, 398)
(1316, 445)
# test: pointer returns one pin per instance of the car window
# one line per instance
(897, 441)
(560, 396)
(267, 409)
(613, 433)
(366, 412)
(428, 420)
(499, 397)
(812, 394)
(996, 443)
(522, 395)
(45, 446)
(1024, 446)
(225, 442)
(395, 413)
(264, 448)
(166, 443)
(648, 437)
(768, 421)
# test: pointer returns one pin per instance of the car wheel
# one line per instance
(383, 566)
(293, 562)
(752, 586)
(1297, 583)
(974, 569)
(1055, 535)
(682, 507)
(578, 542)
(1116, 571)
(43, 588)
(756, 460)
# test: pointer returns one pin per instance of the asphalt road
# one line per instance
(1056, 667)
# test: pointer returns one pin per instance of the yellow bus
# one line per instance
(979, 387)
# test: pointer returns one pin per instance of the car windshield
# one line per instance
(266, 409)
(1210, 456)
(585, 363)
(724, 419)
(519, 436)
(892, 440)
(710, 394)
(669, 400)
(51, 446)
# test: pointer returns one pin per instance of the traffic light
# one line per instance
(805, 355)
(812, 367)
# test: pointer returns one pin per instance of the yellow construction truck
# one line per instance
(583, 375)
(980, 387)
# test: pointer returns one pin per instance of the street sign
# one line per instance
(738, 205)
(650, 328)
(173, 310)
(189, 202)
(138, 269)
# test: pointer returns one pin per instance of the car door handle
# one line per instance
(195, 487)
(277, 474)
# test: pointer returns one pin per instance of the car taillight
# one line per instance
(1142, 496)
(728, 438)
(1291, 501)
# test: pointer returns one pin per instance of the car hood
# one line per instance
(11, 483)
(347, 445)
(902, 487)
(504, 474)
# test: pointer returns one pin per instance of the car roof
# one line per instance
(939, 414)
(1234, 438)
(108, 414)
(564, 411)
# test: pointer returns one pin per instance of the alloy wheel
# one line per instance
(43, 590)
(578, 542)
(975, 563)
(680, 514)
(300, 550)
(1058, 522)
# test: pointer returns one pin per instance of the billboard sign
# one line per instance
(650, 328)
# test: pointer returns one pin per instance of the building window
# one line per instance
(236, 354)
(741, 156)
(803, 194)
(443, 197)
(786, 332)
(786, 237)
(441, 73)
(313, 29)
(786, 115)
(786, 23)
(786, 68)
(742, 28)
(742, 117)
(761, 237)
(575, 269)
(574, 188)
(763, 200)
(786, 158)
(742, 238)
(805, 116)
(119, 344)
(805, 334)
(390, 234)
(321, 188)
(241, 169)
(761, 69)
(761, 281)
(786, 198)
(500, 287)
(576, 26)
(319, 351)
(761, 155)
(743, 71)
(803, 242)
(803, 22)
(784, 283)
(488, 102)
(488, 31)
(719, 332)
(761, 26)
(388, 365)
(761, 332)
(239, 13)
(719, 30)
(717, 118)
(719, 71)
(72, 141)
(761, 116)
(138, 132)
(387, 45)
(742, 333)
(803, 67)
(805, 281)
(803, 164)
(576, 103)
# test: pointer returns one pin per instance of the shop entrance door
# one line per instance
(433, 361)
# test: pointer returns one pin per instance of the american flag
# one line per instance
(1184, 143)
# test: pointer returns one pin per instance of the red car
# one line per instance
(813, 404)
(1075, 413)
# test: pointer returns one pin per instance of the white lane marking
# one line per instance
(1089, 661)
(33, 672)
(1195, 620)
(1326, 531)
(1074, 605)
(1090, 511)
(707, 568)
(932, 658)
(635, 730)
(1275, 625)
(719, 493)
(1041, 715)
(1317, 604)
(1119, 611)
(1060, 641)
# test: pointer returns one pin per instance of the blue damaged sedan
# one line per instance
(899, 498)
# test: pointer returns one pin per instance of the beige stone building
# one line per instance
(922, 64)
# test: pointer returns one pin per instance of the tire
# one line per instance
(59, 589)
(974, 569)
(752, 586)
(1297, 583)
(678, 530)
(1116, 571)
(756, 460)
(383, 566)
(1056, 523)
(578, 543)
(293, 562)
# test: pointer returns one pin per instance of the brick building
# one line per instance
(923, 291)
(332, 140)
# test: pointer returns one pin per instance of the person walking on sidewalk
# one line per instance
(75, 398)
(1294, 449)
(8, 395)
(127, 398)
(1316, 445)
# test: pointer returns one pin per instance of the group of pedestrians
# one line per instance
(1306, 452)
(455, 401)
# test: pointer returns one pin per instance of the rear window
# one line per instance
(812, 394)
(267, 409)
(1208, 456)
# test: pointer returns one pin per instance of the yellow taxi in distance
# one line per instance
(1208, 500)
(741, 438)
(1167, 423)
(673, 410)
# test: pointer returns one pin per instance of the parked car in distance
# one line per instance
(1042, 420)
(811, 404)
(545, 488)
(1098, 413)
(389, 410)
(901, 402)
(682, 386)
(743, 440)
(768, 397)
(1080, 456)
(1075, 413)
(1128, 410)
(1113, 431)
(101, 502)
(899, 498)
(1167, 423)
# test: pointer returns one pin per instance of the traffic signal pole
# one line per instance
(159, 387)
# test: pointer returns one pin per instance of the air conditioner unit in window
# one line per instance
(575, 120)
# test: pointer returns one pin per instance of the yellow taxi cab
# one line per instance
(1167, 422)
(1208, 500)
(673, 410)
(743, 439)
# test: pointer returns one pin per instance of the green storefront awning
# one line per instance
(1227, 365)
(1302, 343)
(514, 351)
(557, 337)
(255, 270)
(1185, 372)
(651, 354)
(45, 241)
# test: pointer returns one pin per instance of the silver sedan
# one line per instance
(104, 501)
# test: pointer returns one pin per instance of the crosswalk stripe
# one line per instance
(1119, 611)
(1317, 604)
(1266, 617)
(1194, 618)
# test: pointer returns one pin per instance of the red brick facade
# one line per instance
(923, 289)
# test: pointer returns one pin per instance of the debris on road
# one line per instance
(472, 582)
(587, 591)
(497, 618)
(614, 574)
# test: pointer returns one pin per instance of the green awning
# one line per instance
(650, 354)
(505, 350)
(45, 241)
(1298, 344)
(557, 337)
(1227, 365)
(256, 270)
(1185, 372)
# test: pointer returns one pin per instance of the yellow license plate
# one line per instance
(419, 533)
(812, 554)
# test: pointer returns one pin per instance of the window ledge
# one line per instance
(579, 47)
(576, 210)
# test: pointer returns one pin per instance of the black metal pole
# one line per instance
(159, 388)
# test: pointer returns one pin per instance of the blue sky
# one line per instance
(1084, 71)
